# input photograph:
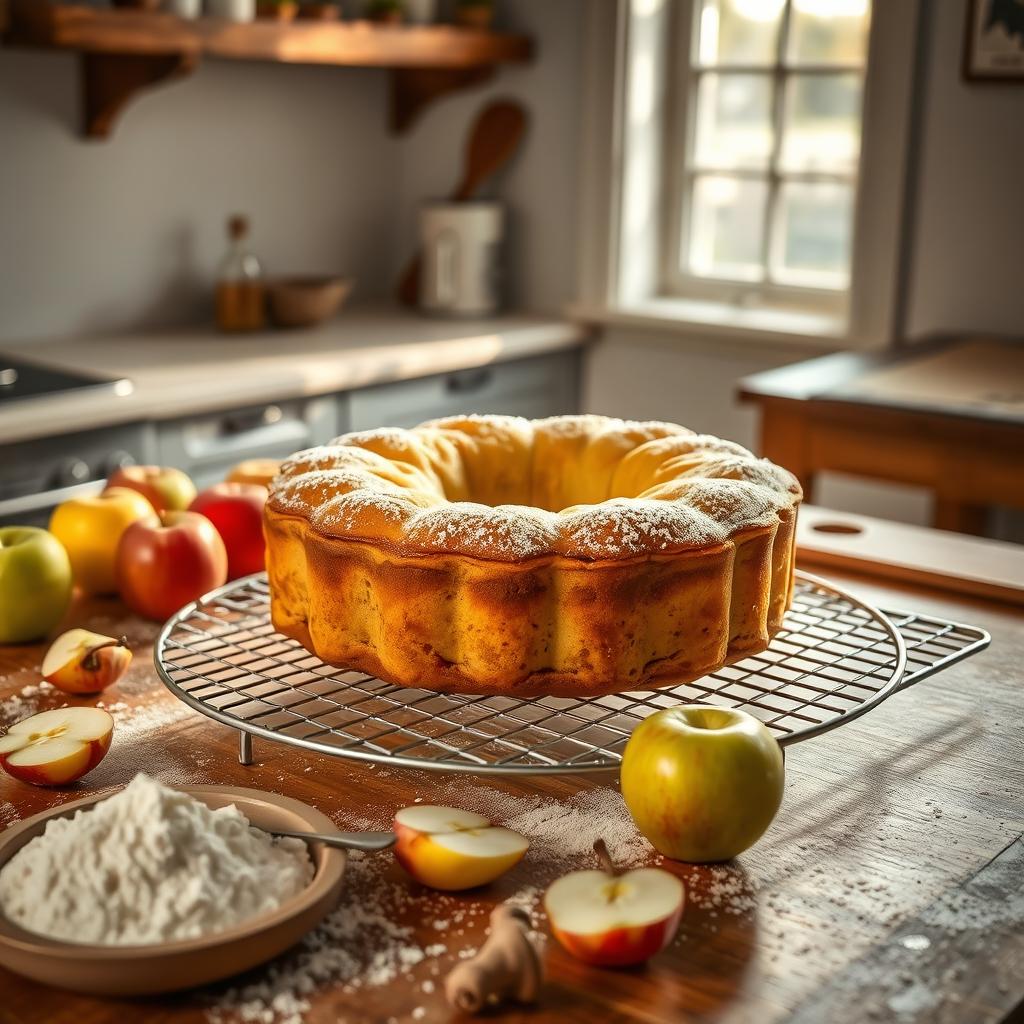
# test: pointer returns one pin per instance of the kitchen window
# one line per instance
(759, 155)
(762, 182)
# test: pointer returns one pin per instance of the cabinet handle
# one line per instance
(470, 380)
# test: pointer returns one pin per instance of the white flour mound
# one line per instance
(149, 865)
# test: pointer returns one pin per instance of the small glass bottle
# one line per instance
(240, 299)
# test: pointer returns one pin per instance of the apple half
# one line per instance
(56, 747)
(80, 661)
(451, 850)
(614, 920)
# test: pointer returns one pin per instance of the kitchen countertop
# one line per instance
(889, 887)
(177, 373)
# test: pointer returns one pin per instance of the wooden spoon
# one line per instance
(495, 137)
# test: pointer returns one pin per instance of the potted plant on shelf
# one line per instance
(390, 12)
(474, 13)
(278, 10)
(320, 11)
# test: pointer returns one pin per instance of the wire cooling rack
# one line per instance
(835, 658)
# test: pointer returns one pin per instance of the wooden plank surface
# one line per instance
(880, 547)
(886, 825)
(350, 43)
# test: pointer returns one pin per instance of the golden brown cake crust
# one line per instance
(572, 556)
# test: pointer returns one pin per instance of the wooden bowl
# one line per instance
(168, 967)
(305, 301)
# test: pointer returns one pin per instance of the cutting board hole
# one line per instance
(848, 528)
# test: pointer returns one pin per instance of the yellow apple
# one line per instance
(56, 747)
(80, 661)
(702, 783)
(90, 529)
(451, 849)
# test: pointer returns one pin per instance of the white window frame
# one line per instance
(629, 89)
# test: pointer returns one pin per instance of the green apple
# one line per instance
(702, 783)
(35, 583)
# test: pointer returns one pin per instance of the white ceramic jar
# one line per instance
(421, 12)
(184, 8)
(461, 244)
(232, 10)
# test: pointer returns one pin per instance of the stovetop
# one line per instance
(21, 380)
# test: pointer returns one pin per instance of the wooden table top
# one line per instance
(890, 887)
(977, 381)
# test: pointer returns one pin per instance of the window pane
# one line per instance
(812, 244)
(739, 31)
(727, 227)
(734, 124)
(822, 125)
(828, 31)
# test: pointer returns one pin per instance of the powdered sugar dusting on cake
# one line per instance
(761, 472)
(630, 526)
(733, 504)
(701, 490)
(308, 492)
(502, 531)
(354, 512)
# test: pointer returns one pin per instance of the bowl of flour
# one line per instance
(153, 889)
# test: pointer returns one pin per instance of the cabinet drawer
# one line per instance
(533, 388)
(206, 447)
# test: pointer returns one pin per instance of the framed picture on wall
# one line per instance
(994, 45)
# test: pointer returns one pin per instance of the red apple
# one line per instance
(164, 487)
(613, 919)
(56, 747)
(236, 510)
(79, 661)
(702, 783)
(161, 568)
(450, 849)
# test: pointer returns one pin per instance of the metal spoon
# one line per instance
(368, 842)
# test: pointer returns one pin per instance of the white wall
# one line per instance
(967, 248)
(98, 236)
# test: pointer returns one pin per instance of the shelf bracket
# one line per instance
(414, 89)
(110, 80)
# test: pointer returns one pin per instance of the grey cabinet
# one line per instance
(533, 387)
(207, 447)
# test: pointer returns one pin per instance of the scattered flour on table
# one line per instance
(562, 832)
(358, 946)
(134, 720)
(25, 702)
(150, 865)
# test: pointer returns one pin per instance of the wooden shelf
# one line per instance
(124, 51)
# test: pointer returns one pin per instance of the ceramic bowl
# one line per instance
(305, 301)
(168, 967)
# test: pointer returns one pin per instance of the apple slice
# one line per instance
(450, 849)
(80, 661)
(613, 919)
(56, 747)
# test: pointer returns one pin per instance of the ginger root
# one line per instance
(508, 966)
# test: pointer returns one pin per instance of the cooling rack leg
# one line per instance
(244, 748)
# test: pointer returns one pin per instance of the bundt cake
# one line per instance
(577, 555)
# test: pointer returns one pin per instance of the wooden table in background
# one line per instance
(948, 417)
(905, 824)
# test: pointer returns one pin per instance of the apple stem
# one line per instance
(605, 858)
(89, 662)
